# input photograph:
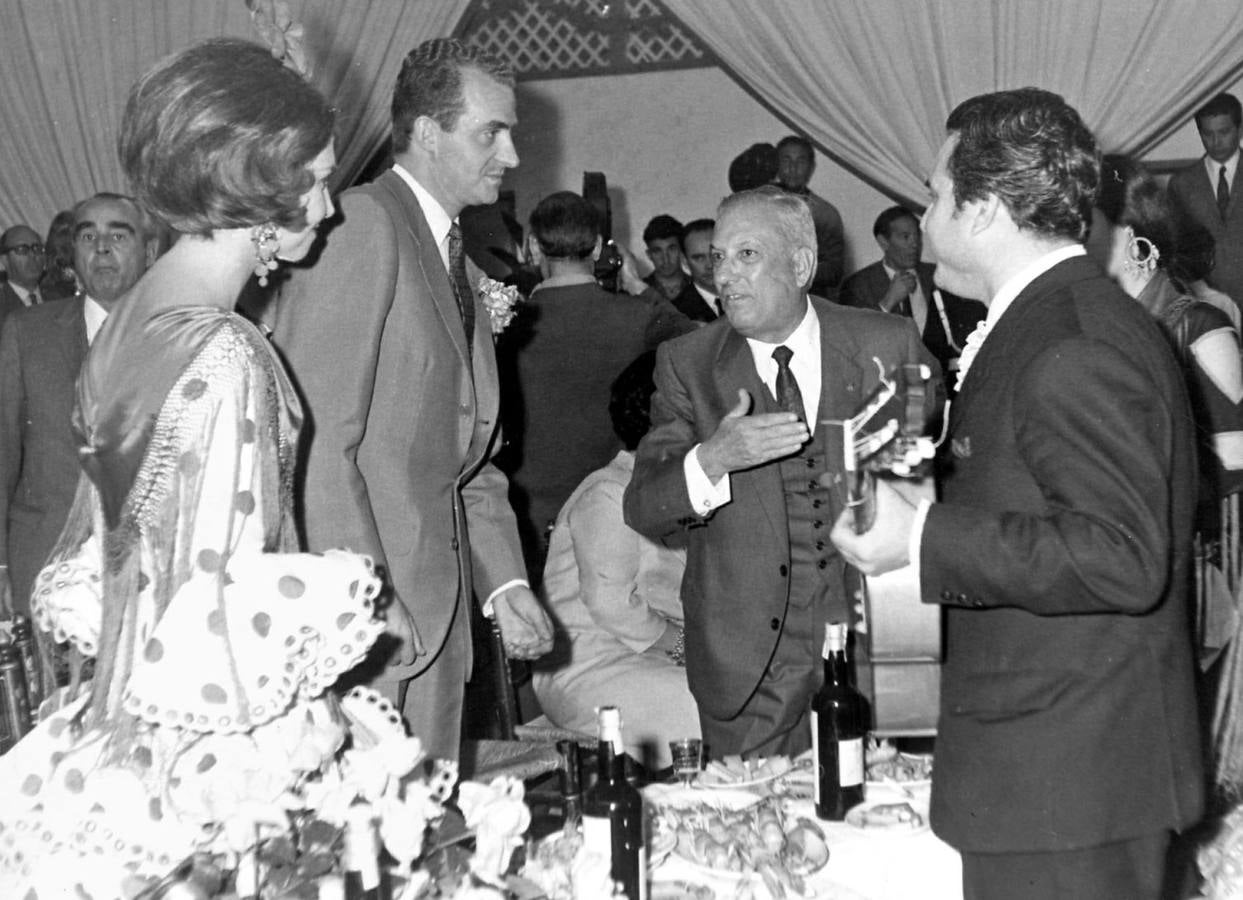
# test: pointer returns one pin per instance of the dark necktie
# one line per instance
(720, 310)
(789, 397)
(461, 287)
(1223, 193)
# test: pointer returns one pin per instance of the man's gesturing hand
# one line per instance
(743, 441)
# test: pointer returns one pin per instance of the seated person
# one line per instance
(900, 283)
(614, 596)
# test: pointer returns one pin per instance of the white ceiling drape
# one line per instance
(66, 67)
(872, 81)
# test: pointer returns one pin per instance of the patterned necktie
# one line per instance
(789, 397)
(461, 287)
(1223, 193)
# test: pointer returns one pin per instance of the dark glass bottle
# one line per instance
(24, 641)
(14, 698)
(839, 726)
(613, 818)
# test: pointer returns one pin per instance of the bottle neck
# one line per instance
(836, 669)
(611, 764)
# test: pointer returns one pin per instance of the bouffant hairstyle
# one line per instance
(1030, 149)
(630, 400)
(430, 84)
(565, 225)
(220, 136)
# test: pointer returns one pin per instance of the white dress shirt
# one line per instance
(1214, 171)
(710, 299)
(805, 366)
(95, 316)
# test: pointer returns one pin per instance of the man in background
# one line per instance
(663, 239)
(391, 346)
(796, 161)
(23, 254)
(1068, 741)
(900, 283)
(698, 299)
(41, 351)
(1205, 191)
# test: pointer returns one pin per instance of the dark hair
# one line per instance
(1130, 197)
(58, 245)
(886, 219)
(565, 225)
(694, 226)
(630, 400)
(797, 140)
(661, 227)
(1196, 253)
(1221, 105)
(753, 167)
(220, 135)
(1030, 149)
(430, 84)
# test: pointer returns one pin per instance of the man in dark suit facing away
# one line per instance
(1067, 746)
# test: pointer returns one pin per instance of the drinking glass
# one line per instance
(687, 757)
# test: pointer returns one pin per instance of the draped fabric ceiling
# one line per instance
(66, 67)
(871, 81)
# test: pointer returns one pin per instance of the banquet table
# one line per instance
(863, 864)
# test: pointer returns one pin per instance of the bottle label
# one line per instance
(598, 836)
(815, 755)
(643, 873)
(849, 763)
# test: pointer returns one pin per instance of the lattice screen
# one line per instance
(559, 38)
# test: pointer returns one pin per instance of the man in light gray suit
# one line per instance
(391, 348)
(41, 351)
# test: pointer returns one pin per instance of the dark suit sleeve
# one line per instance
(329, 325)
(1091, 434)
(664, 319)
(656, 502)
(496, 554)
(12, 399)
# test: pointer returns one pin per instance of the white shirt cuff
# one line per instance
(488, 610)
(704, 495)
(915, 539)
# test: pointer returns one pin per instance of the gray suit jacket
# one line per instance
(41, 351)
(1193, 192)
(400, 427)
(9, 301)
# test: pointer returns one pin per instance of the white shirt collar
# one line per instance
(95, 315)
(1214, 168)
(437, 219)
(567, 279)
(23, 294)
(805, 364)
(709, 298)
(1014, 285)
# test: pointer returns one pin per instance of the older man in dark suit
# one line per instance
(23, 254)
(900, 283)
(1067, 748)
(41, 351)
(730, 459)
(390, 344)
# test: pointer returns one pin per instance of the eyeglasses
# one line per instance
(103, 238)
(24, 249)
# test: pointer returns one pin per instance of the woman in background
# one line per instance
(615, 597)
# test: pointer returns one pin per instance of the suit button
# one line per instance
(816, 504)
(819, 545)
(774, 624)
(823, 564)
(947, 596)
(817, 524)
(977, 602)
(812, 485)
(961, 598)
(811, 463)
(784, 571)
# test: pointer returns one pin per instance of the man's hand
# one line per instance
(743, 441)
(901, 288)
(885, 545)
(525, 627)
(628, 278)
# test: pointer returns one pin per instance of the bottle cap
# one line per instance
(834, 637)
(609, 721)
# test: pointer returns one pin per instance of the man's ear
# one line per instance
(426, 133)
(534, 253)
(804, 265)
(152, 251)
(985, 213)
(883, 242)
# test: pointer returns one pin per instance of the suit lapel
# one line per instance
(71, 332)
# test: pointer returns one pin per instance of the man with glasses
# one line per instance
(41, 350)
(22, 251)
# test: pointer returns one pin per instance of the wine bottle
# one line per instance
(838, 731)
(613, 820)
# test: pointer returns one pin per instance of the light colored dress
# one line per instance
(612, 593)
(214, 640)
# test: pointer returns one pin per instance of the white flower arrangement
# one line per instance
(499, 300)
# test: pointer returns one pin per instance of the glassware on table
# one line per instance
(687, 759)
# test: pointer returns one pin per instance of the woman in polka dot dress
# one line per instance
(214, 639)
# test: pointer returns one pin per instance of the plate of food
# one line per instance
(890, 819)
(888, 765)
(736, 772)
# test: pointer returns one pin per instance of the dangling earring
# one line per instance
(1141, 257)
(266, 247)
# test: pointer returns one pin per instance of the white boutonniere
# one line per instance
(500, 301)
